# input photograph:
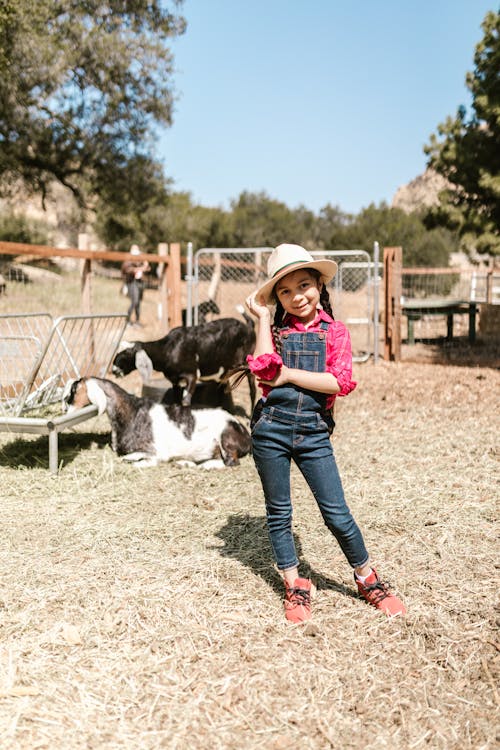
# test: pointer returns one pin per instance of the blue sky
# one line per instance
(325, 101)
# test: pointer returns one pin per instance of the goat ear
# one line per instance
(66, 392)
(144, 365)
(96, 395)
(124, 345)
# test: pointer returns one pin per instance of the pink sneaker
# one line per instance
(298, 600)
(377, 593)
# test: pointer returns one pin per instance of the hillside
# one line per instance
(421, 192)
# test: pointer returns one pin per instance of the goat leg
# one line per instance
(189, 382)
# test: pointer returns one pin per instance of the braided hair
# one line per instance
(277, 325)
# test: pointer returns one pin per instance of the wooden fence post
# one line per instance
(163, 288)
(83, 244)
(174, 286)
(393, 263)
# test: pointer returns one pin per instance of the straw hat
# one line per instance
(287, 258)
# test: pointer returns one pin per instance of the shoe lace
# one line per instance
(298, 596)
(377, 591)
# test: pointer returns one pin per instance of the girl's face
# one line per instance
(298, 292)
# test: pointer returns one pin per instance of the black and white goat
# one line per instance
(146, 432)
(186, 355)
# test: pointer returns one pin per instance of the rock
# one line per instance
(422, 192)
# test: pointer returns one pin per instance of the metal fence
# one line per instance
(38, 355)
(228, 275)
(468, 284)
(443, 289)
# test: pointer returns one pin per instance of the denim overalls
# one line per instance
(292, 423)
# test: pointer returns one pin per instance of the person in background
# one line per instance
(302, 362)
(133, 276)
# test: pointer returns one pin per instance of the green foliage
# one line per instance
(393, 227)
(255, 220)
(260, 221)
(468, 153)
(82, 87)
(130, 202)
(17, 228)
(330, 227)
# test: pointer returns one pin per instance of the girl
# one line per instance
(302, 362)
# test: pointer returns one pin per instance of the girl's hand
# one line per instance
(258, 310)
(282, 377)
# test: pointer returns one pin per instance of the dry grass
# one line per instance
(140, 609)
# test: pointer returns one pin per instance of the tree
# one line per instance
(128, 203)
(468, 153)
(392, 226)
(16, 228)
(82, 88)
(261, 221)
(330, 226)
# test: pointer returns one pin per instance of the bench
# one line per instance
(416, 309)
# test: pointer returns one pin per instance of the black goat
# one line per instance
(185, 355)
(208, 306)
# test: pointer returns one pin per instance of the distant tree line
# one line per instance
(256, 220)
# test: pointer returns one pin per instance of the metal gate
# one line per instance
(227, 276)
(38, 355)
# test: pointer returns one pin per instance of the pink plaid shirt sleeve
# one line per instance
(339, 356)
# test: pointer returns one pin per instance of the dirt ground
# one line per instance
(141, 608)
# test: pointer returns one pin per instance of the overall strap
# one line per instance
(285, 331)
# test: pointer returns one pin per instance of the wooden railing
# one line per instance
(168, 257)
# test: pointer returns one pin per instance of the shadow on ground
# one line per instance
(458, 352)
(34, 454)
(245, 539)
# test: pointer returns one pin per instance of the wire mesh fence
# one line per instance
(450, 283)
(442, 289)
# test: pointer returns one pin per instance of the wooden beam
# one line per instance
(44, 251)
(83, 244)
(393, 261)
(163, 287)
(421, 271)
(171, 263)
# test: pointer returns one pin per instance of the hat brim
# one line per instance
(327, 269)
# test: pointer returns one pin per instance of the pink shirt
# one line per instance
(338, 353)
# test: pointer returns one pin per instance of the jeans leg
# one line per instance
(272, 458)
(140, 292)
(315, 459)
(133, 292)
